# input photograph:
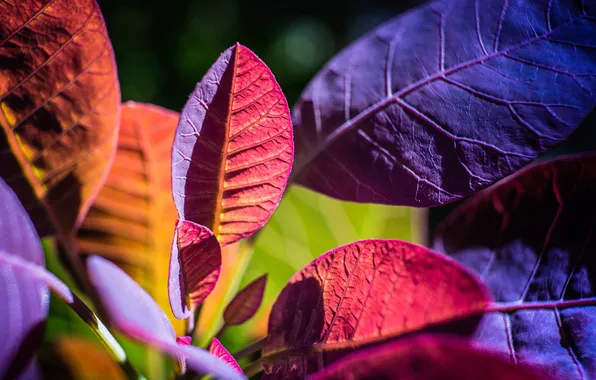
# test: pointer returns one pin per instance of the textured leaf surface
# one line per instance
(75, 358)
(59, 107)
(361, 294)
(234, 147)
(531, 239)
(447, 99)
(130, 222)
(132, 310)
(220, 351)
(23, 298)
(427, 358)
(195, 265)
(246, 303)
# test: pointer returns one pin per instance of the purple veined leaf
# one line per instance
(24, 299)
(220, 351)
(362, 294)
(195, 264)
(532, 239)
(446, 99)
(428, 357)
(246, 303)
(132, 311)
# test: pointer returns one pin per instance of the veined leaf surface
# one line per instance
(532, 239)
(234, 147)
(220, 351)
(427, 357)
(131, 221)
(59, 108)
(446, 99)
(361, 294)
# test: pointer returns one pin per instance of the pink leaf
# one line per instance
(220, 351)
(195, 264)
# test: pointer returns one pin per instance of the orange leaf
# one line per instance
(132, 219)
(59, 108)
(234, 148)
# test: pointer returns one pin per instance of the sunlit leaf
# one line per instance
(132, 311)
(446, 99)
(246, 303)
(233, 149)
(220, 351)
(131, 221)
(195, 264)
(59, 108)
(427, 358)
(532, 239)
(365, 293)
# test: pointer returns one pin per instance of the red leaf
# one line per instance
(427, 357)
(183, 340)
(246, 303)
(59, 108)
(364, 293)
(220, 351)
(195, 264)
(234, 148)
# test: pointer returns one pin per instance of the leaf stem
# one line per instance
(253, 368)
(250, 349)
(509, 307)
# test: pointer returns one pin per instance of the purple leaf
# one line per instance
(23, 298)
(427, 357)
(220, 351)
(132, 311)
(246, 303)
(532, 240)
(446, 99)
(195, 264)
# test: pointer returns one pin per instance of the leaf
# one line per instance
(364, 293)
(75, 358)
(130, 222)
(427, 357)
(220, 351)
(246, 303)
(59, 108)
(233, 148)
(531, 239)
(23, 299)
(132, 311)
(195, 265)
(446, 99)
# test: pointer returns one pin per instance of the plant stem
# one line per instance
(222, 329)
(253, 368)
(250, 349)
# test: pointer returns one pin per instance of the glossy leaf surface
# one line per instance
(23, 298)
(531, 240)
(132, 311)
(234, 147)
(59, 108)
(246, 303)
(361, 294)
(195, 265)
(130, 222)
(427, 358)
(446, 99)
(220, 351)
(75, 358)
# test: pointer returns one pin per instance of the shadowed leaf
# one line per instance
(220, 351)
(59, 108)
(132, 311)
(364, 293)
(446, 99)
(233, 149)
(23, 298)
(195, 265)
(130, 222)
(531, 240)
(246, 303)
(75, 358)
(427, 358)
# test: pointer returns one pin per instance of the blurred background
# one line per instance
(164, 48)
